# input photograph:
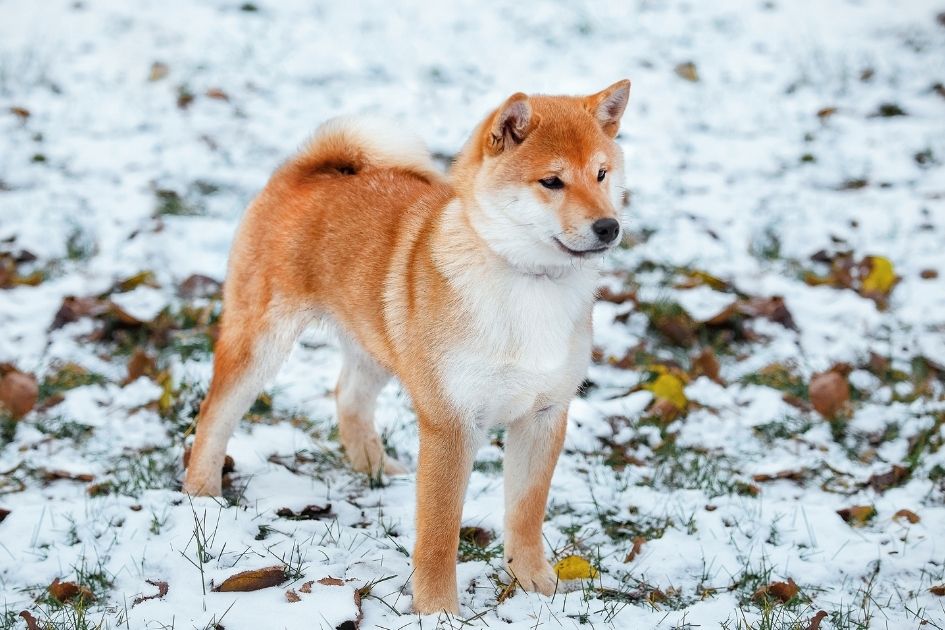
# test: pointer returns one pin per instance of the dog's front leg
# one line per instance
(532, 446)
(447, 449)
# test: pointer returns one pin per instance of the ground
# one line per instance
(759, 438)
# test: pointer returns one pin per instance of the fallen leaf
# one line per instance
(478, 536)
(908, 515)
(792, 475)
(20, 112)
(928, 274)
(826, 112)
(162, 588)
(635, 550)
(706, 364)
(816, 619)
(18, 393)
(31, 623)
(669, 388)
(889, 479)
(307, 587)
(291, 596)
(880, 275)
(140, 364)
(217, 93)
(328, 581)
(782, 591)
(308, 513)
(857, 515)
(687, 70)
(158, 71)
(65, 591)
(574, 568)
(253, 580)
(4, 514)
(938, 590)
(829, 393)
(56, 475)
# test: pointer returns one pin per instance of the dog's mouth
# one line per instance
(581, 253)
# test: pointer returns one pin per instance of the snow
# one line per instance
(716, 173)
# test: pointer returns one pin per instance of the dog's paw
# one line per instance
(197, 485)
(429, 604)
(533, 573)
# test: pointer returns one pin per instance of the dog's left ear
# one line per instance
(607, 106)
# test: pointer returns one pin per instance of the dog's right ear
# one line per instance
(511, 124)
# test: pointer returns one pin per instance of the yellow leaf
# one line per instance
(574, 568)
(881, 276)
(668, 387)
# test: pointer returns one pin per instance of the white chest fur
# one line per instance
(525, 346)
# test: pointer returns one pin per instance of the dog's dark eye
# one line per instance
(554, 183)
(601, 174)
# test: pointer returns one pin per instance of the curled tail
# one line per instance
(349, 145)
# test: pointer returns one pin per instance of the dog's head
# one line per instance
(545, 176)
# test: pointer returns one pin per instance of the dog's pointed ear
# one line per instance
(510, 124)
(608, 105)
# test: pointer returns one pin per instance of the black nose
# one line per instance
(606, 229)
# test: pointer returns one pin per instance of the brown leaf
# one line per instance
(162, 588)
(217, 93)
(772, 308)
(889, 479)
(308, 513)
(687, 70)
(18, 393)
(140, 364)
(938, 590)
(478, 536)
(158, 71)
(908, 515)
(782, 591)
(706, 364)
(64, 591)
(829, 393)
(928, 274)
(75, 308)
(20, 112)
(31, 623)
(4, 514)
(329, 581)
(635, 550)
(307, 587)
(56, 475)
(857, 515)
(253, 580)
(792, 475)
(816, 619)
(291, 596)
(199, 286)
(826, 112)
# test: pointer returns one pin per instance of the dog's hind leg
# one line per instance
(249, 352)
(361, 380)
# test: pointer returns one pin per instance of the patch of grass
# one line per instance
(690, 469)
(137, 472)
(59, 427)
(66, 376)
(779, 376)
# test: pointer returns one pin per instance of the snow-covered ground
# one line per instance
(805, 137)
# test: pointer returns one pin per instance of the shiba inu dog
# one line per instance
(474, 289)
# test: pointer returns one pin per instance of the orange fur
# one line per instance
(428, 278)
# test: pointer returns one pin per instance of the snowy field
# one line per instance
(760, 436)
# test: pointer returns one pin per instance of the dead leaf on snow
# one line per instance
(328, 581)
(857, 515)
(18, 393)
(893, 477)
(253, 580)
(162, 588)
(478, 536)
(4, 514)
(636, 549)
(31, 623)
(816, 619)
(829, 393)
(907, 515)
(199, 286)
(158, 71)
(308, 513)
(140, 364)
(65, 591)
(938, 590)
(687, 70)
(792, 475)
(307, 587)
(782, 591)
(706, 364)
(291, 596)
